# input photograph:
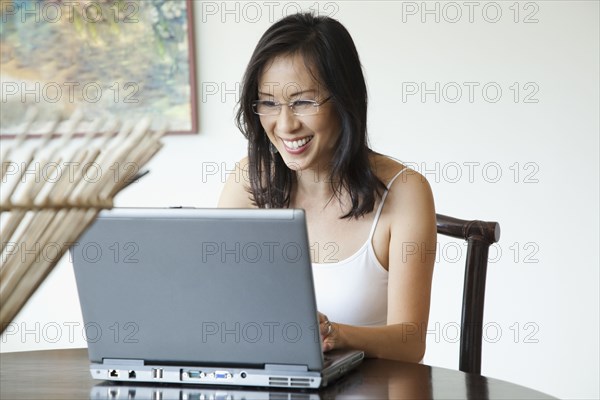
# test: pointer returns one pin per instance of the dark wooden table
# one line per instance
(64, 374)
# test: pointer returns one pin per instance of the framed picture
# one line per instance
(109, 59)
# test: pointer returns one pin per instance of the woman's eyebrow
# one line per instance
(291, 95)
(301, 92)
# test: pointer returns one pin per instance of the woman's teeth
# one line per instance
(297, 143)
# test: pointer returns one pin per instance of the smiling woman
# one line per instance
(290, 135)
(303, 109)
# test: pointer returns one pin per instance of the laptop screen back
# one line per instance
(198, 286)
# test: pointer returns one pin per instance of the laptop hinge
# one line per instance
(122, 361)
(286, 367)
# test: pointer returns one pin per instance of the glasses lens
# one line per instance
(305, 107)
(265, 107)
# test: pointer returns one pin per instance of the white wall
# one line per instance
(542, 291)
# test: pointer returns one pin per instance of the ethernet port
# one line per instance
(132, 374)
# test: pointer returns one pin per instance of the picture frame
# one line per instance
(105, 59)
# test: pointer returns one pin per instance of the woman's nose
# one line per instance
(287, 121)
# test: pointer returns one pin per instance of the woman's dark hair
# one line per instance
(331, 57)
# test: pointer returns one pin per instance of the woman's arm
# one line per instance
(411, 258)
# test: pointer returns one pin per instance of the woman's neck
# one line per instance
(313, 189)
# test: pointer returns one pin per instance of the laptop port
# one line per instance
(157, 373)
(132, 374)
(194, 374)
(222, 375)
(113, 373)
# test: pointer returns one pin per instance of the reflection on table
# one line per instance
(64, 374)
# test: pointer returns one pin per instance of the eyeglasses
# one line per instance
(298, 107)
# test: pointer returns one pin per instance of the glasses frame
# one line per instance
(279, 106)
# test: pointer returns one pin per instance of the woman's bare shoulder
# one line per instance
(386, 168)
(409, 190)
(236, 192)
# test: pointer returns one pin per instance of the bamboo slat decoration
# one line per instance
(41, 218)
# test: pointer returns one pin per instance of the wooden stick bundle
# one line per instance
(42, 218)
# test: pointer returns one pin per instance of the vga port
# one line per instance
(222, 375)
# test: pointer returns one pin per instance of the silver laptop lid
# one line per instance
(199, 286)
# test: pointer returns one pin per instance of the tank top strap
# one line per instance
(378, 213)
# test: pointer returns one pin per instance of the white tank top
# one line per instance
(354, 291)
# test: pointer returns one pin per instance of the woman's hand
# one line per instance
(329, 333)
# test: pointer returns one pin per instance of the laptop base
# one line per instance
(286, 376)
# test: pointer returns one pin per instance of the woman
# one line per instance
(371, 221)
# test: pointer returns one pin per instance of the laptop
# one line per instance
(203, 296)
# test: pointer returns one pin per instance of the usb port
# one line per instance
(157, 373)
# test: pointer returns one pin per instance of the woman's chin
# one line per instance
(295, 165)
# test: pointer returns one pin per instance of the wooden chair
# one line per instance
(480, 235)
